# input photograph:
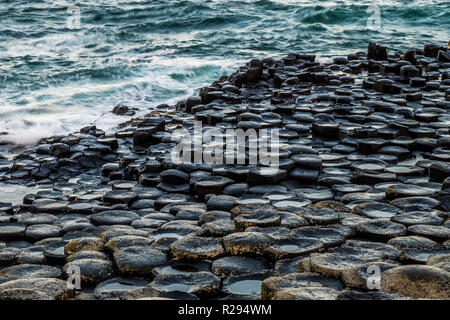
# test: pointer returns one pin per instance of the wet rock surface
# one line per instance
(362, 182)
(417, 282)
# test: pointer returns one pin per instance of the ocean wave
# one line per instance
(55, 78)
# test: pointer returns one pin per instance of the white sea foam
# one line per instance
(68, 106)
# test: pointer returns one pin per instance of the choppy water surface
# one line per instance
(64, 64)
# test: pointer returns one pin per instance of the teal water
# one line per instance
(65, 64)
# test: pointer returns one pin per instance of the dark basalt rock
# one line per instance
(120, 230)
(214, 215)
(121, 242)
(28, 271)
(441, 261)
(374, 250)
(292, 247)
(404, 190)
(59, 150)
(417, 217)
(257, 219)
(138, 261)
(116, 287)
(372, 178)
(41, 231)
(120, 109)
(334, 264)
(120, 196)
(290, 220)
(420, 256)
(196, 248)
(304, 175)
(6, 207)
(306, 283)
(253, 206)
(49, 206)
(83, 244)
(265, 176)
(439, 171)
(149, 293)
(235, 190)
(377, 210)
(414, 242)
(32, 255)
(143, 134)
(168, 199)
(35, 289)
(54, 253)
(368, 295)
(417, 203)
(417, 282)
(237, 265)
(12, 231)
(377, 52)
(245, 286)
(276, 233)
(328, 236)
(218, 228)
(182, 227)
(319, 216)
(221, 202)
(114, 217)
(380, 229)
(360, 155)
(182, 267)
(307, 161)
(247, 243)
(9, 256)
(359, 277)
(202, 284)
(87, 255)
(326, 130)
(92, 271)
(437, 233)
(443, 56)
(174, 176)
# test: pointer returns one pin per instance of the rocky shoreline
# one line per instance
(358, 207)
